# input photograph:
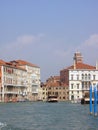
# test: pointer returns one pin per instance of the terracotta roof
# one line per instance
(22, 62)
(53, 84)
(57, 77)
(81, 66)
(2, 62)
(9, 64)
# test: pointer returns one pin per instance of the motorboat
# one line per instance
(52, 99)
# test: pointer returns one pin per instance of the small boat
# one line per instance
(52, 99)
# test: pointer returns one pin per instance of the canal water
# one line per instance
(46, 116)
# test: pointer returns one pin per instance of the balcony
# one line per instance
(85, 88)
(34, 90)
(11, 92)
(86, 79)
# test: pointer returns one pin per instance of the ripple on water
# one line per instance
(47, 116)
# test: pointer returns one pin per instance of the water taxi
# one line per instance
(52, 99)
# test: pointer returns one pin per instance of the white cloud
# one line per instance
(20, 47)
(26, 39)
(29, 39)
(89, 49)
(92, 41)
(89, 44)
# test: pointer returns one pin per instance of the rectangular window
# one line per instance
(82, 84)
(94, 77)
(77, 77)
(77, 86)
(72, 77)
(56, 93)
(72, 86)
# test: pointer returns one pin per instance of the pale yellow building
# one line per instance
(53, 87)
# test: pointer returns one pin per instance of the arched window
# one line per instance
(89, 76)
(82, 76)
(85, 76)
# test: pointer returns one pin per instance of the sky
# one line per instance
(48, 32)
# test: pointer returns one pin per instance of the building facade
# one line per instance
(79, 77)
(53, 87)
(19, 80)
(33, 78)
(12, 83)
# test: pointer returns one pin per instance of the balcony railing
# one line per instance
(85, 88)
(85, 79)
(11, 92)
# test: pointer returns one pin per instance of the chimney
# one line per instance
(96, 65)
(74, 63)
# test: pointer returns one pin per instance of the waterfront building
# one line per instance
(53, 87)
(12, 82)
(79, 77)
(19, 80)
(33, 78)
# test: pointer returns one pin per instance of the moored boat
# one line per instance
(52, 99)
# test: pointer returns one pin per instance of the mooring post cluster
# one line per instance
(95, 91)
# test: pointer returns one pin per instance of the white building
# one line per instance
(12, 83)
(33, 78)
(19, 80)
(79, 77)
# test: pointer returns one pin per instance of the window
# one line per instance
(72, 77)
(77, 77)
(85, 76)
(82, 76)
(71, 86)
(49, 93)
(89, 76)
(77, 86)
(72, 97)
(82, 84)
(56, 93)
(94, 77)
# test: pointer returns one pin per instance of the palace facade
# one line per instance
(79, 77)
